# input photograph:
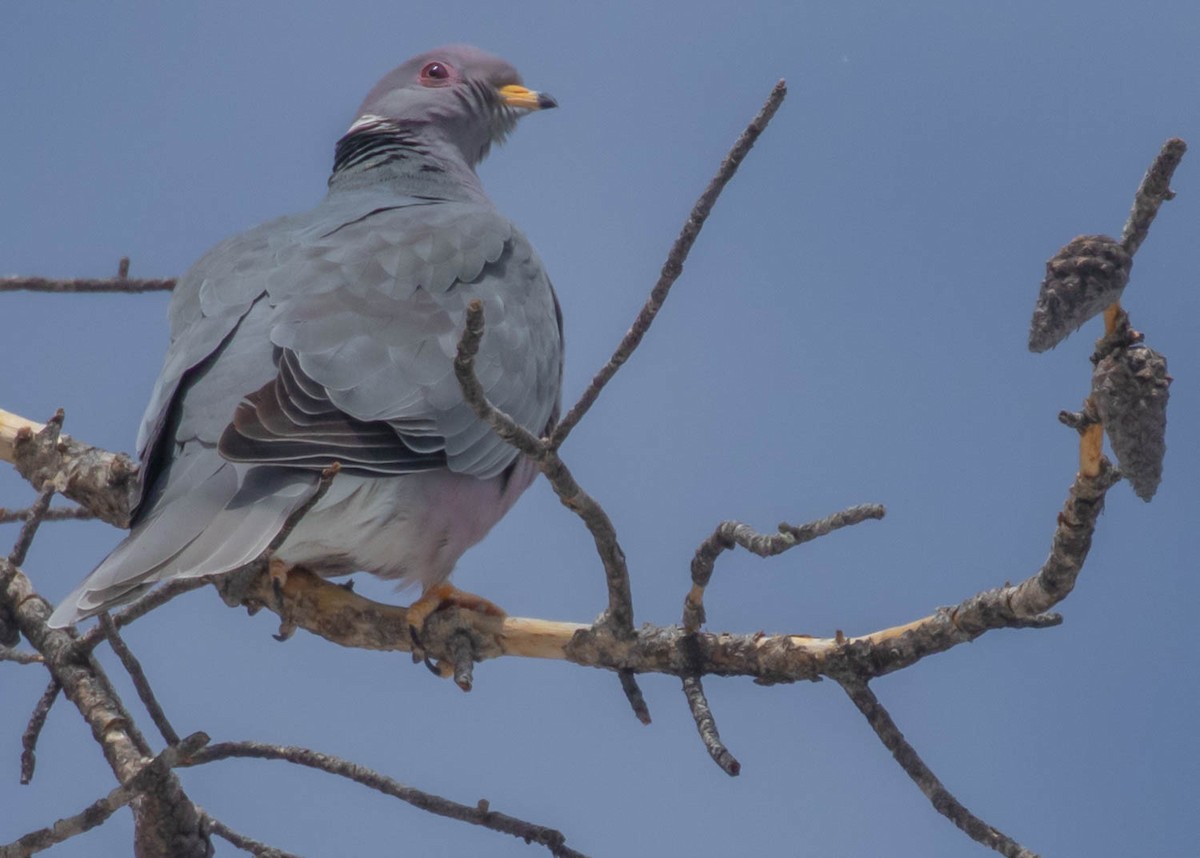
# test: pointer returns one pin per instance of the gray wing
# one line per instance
(366, 359)
(327, 336)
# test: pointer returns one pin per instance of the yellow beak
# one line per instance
(526, 99)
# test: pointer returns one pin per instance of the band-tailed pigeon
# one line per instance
(329, 337)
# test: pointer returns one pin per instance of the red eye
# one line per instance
(435, 72)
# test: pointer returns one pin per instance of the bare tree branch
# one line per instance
(673, 267)
(33, 730)
(633, 693)
(100, 810)
(693, 690)
(33, 521)
(619, 616)
(116, 284)
(18, 656)
(157, 597)
(480, 815)
(241, 841)
(346, 618)
(1154, 190)
(8, 516)
(166, 822)
(134, 668)
(731, 533)
(942, 799)
(101, 482)
(464, 369)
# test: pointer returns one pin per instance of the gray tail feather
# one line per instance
(210, 529)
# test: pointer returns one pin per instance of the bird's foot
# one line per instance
(277, 571)
(437, 598)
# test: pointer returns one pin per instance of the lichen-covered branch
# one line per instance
(1154, 190)
(730, 533)
(104, 483)
(706, 726)
(344, 617)
(33, 730)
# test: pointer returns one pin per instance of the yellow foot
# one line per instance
(435, 599)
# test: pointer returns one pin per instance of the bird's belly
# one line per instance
(412, 528)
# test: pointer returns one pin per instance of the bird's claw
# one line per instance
(433, 600)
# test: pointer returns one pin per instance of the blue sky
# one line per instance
(851, 327)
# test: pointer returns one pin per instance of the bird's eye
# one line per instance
(435, 73)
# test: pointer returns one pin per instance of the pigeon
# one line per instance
(329, 337)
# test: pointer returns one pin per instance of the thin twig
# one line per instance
(480, 815)
(100, 810)
(464, 369)
(134, 668)
(619, 616)
(299, 512)
(673, 267)
(730, 533)
(30, 528)
(122, 711)
(1154, 190)
(693, 690)
(65, 513)
(633, 693)
(940, 797)
(241, 841)
(115, 284)
(157, 597)
(20, 656)
(33, 730)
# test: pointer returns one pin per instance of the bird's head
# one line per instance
(455, 94)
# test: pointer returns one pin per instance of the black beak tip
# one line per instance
(545, 101)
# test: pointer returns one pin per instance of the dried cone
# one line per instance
(1082, 279)
(1129, 389)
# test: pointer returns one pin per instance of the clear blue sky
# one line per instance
(851, 327)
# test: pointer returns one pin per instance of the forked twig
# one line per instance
(100, 810)
(619, 616)
(730, 533)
